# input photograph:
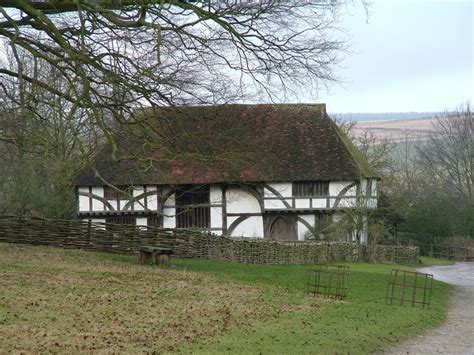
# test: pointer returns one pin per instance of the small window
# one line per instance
(311, 189)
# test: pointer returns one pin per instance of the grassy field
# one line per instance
(54, 300)
(398, 130)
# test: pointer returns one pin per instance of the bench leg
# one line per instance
(145, 257)
(163, 260)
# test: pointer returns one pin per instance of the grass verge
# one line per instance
(427, 261)
(55, 300)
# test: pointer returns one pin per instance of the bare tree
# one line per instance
(427, 184)
(117, 56)
(377, 150)
(448, 155)
(431, 188)
(109, 59)
(39, 143)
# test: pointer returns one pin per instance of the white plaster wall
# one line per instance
(320, 202)
(97, 220)
(285, 190)
(215, 195)
(302, 203)
(274, 204)
(169, 213)
(362, 233)
(347, 202)
(363, 186)
(142, 221)
(371, 203)
(241, 201)
(170, 201)
(302, 229)
(364, 237)
(96, 204)
(139, 205)
(122, 204)
(152, 200)
(216, 217)
(83, 200)
(215, 198)
(231, 220)
(335, 187)
(252, 227)
(113, 203)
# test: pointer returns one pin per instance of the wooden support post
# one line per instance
(161, 255)
(145, 257)
(162, 260)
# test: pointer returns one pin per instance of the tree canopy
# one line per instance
(117, 55)
(72, 71)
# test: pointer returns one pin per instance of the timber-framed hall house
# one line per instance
(259, 171)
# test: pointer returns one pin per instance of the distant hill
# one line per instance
(383, 116)
(415, 129)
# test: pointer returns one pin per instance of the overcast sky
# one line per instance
(411, 56)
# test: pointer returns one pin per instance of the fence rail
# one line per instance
(451, 252)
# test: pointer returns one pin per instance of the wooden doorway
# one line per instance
(283, 229)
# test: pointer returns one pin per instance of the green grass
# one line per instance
(362, 324)
(427, 261)
(57, 300)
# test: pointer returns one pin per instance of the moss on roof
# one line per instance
(366, 170)
(231, 143)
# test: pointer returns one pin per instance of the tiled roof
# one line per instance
(231, 143)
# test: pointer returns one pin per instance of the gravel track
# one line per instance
(456, 335)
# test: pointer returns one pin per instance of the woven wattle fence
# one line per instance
(114, 238)
(127, 239)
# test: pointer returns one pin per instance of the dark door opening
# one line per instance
(193, 208)
(283, 229)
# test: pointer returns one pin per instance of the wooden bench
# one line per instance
(161, 255)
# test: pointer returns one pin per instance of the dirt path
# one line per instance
(456, 336)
